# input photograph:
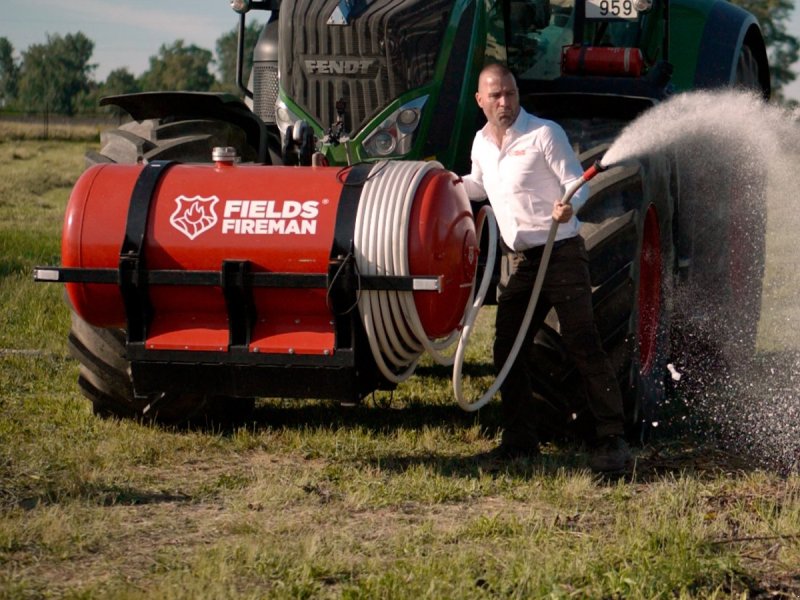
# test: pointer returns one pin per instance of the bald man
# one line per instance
(522, 164)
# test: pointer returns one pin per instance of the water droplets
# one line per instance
(736, 157)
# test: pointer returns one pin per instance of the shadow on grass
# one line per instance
(100, 495)
(688, 436)
(675, 449)
(679, 457)
(377, 418)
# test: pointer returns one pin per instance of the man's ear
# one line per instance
(478, 99)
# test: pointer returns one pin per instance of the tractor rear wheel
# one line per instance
(723, 223)
(632, 257)
(627, 225)
(723, 218)
(105, 375)
(169, 139)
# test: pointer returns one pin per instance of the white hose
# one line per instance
(526, 320)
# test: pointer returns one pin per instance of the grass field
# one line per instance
(385, 500)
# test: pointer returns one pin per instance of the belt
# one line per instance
(536, 252)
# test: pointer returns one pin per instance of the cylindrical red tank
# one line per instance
(280, 220)
(600, 60)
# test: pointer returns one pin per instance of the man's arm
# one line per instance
(473, 182)
(565, 165)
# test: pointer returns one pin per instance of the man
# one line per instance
(522, 164)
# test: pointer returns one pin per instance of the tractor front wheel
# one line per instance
(105, 373)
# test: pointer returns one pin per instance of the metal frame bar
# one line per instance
(431, 283)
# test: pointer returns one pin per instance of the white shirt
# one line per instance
(524, 177)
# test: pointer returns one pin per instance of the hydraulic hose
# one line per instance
(571, 190)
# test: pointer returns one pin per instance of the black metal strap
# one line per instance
(345, 227)
(139, 208)
(342, 280)
(239, 301)
(132, 279)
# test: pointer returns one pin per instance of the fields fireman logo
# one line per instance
(194, 215)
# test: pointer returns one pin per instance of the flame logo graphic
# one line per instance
(194, 215)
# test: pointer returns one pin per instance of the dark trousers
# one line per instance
(567, 288)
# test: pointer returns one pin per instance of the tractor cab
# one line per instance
(576, 58)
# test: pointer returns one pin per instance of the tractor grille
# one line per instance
(265, 90)
(388, 49)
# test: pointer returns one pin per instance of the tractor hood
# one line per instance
(361, 60)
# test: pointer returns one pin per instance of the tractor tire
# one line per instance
(746, 232)
(747, 71)
(105, 375)
(104, 379)
(722, 254)
(723, 259)
(627, 226)
(166, 139)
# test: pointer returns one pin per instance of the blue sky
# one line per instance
(128, 33)
(125, 33)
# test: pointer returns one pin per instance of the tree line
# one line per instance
(58, 77)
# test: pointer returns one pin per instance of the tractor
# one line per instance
(310, 240)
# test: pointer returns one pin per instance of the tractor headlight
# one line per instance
(408, 117)
(284, 117)
(396, 134)
(382, 143)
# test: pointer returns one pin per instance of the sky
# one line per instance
(125, 33)
(128, 33)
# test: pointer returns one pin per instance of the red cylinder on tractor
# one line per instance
(257, 272)
(598, 60)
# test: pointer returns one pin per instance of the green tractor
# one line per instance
(348, 82)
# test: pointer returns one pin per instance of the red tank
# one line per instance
(600, 60)
(280, 220)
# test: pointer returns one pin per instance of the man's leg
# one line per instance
(514, 292)
(568, 287)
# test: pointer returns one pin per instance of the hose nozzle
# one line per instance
(597, 167)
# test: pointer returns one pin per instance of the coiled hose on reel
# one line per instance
(394, 331)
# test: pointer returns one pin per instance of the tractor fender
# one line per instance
(196, 105)
(728, 30)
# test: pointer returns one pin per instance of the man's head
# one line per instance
(498, 96)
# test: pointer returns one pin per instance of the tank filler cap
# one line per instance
(224, 155)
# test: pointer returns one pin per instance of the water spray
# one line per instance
(572, 189)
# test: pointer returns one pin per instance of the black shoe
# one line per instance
(612, 455)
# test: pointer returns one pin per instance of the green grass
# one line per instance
(58, 128)
(311, 500)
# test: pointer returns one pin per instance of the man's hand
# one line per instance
(562, 212)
